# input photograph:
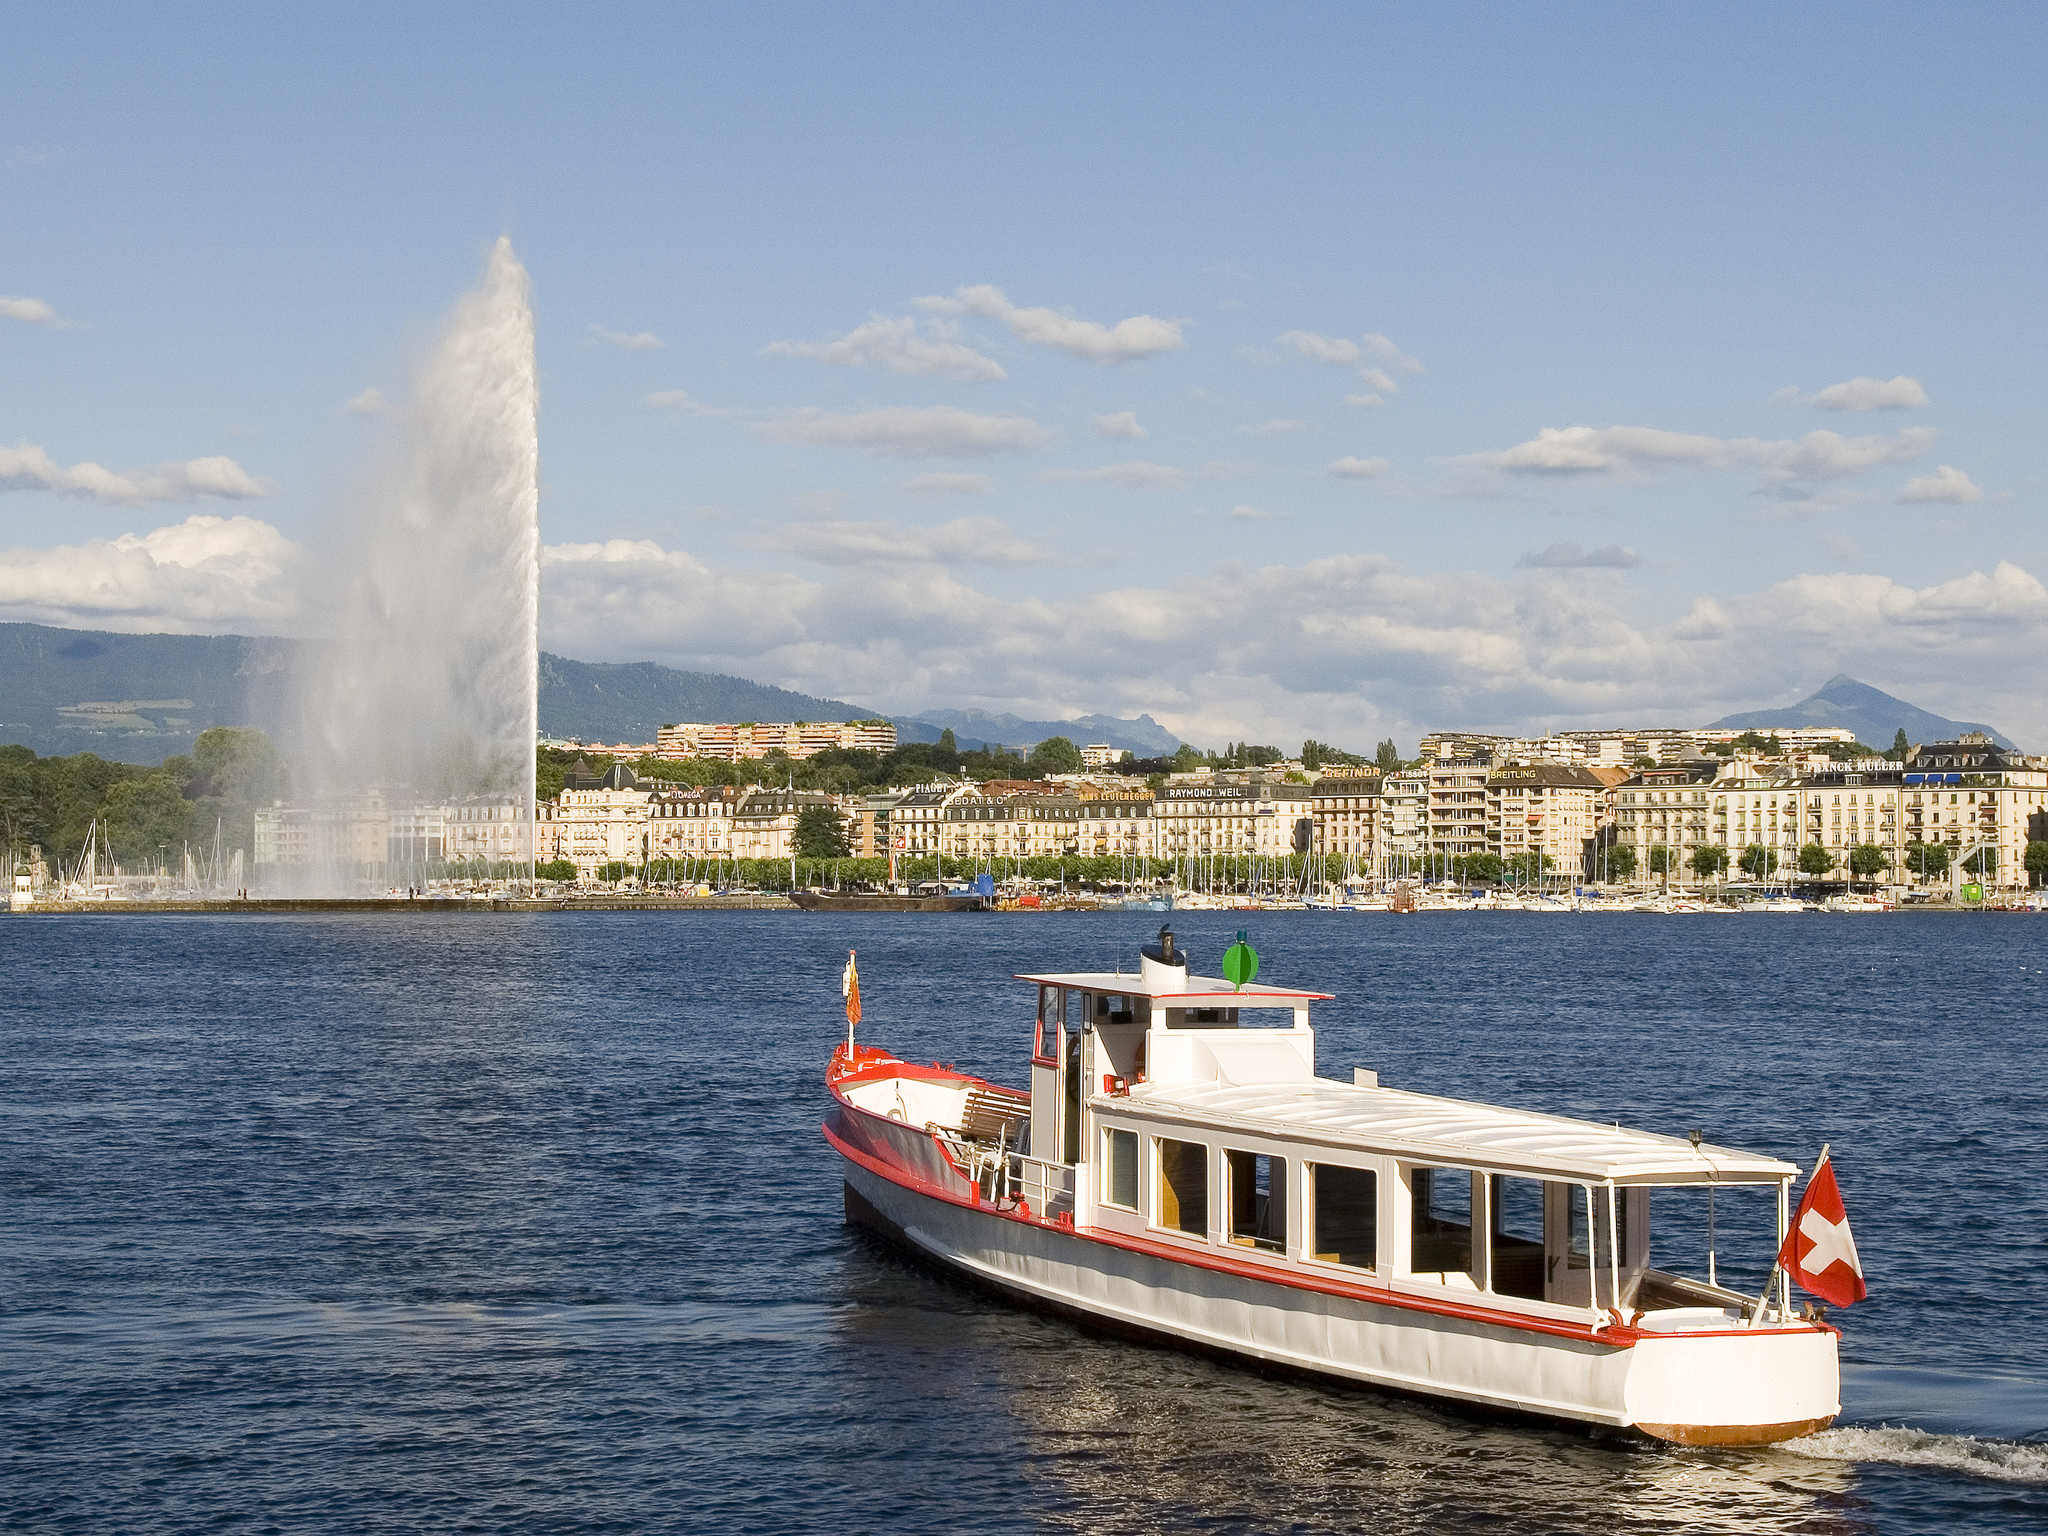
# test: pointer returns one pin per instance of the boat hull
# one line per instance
(1734, 1389)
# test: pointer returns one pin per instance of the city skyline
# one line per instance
(1338, 377)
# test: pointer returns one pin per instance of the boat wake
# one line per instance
(2006, 1461)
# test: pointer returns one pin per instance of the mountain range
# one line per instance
(1874, 715)
(142, 698)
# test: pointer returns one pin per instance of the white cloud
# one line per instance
(205, 575)
(627, 341)
(1318, 348)
(1119, 424)
(1380, 349)
(896, 346)
(1866, 394)
(33, 311)
(1130, 475)
(1592, 451)
(1250, 514)
(26, 467)
(1344, 352)
(961, 542)
(1574, 557)
(1351, 467)
(1140, 336)
(1278, 426)
(1367, 399)
(946, 483)
(1946, 484)
(370, 402)
(911, 432)
(1346, 647)
(681, 400)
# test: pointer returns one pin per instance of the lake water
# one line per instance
(524, 1224)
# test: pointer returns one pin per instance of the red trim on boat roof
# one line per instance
(1287, 992)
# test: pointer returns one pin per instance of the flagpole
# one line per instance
(1778, 1262)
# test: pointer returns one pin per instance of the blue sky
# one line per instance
(1478, 354)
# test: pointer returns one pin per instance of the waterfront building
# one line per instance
(477, 831)
(1681, 807)
(1116, 820)
(1345, 803)
(601, 818)
(1024, 823)
(1403, 822)
(693, 824)
(916, 820)
(764, 824)
(1547, 808)
(1232, 816)
(1456, 816)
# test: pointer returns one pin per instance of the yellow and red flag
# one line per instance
(850, 985)
(1819, 1252)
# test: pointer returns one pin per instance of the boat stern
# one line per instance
(1734, 1385)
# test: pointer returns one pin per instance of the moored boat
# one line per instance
(1178, 1169)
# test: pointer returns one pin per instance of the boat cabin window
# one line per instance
(1346, 1202)
(1052, 1014)
(1113, 1008)
(1183, 1185)
(1258, 1200)
(1440, 1222)
(1589, 1212)
(1201, 1018)
(1120, 1169)
(1516, 1260)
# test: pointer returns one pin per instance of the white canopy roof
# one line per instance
(1430, 1129)
(1191, 992)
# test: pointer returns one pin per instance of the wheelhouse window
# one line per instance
(1120, 1169)
(1346, 1202)
(1258, 1200)
(1517, 1237)
(1183, 1185)
(1052, 1009)
(1440, 1222)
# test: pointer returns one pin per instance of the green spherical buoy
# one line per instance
(1240, 963)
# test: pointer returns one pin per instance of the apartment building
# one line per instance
(731, 743)
(917, 820)
(1231, 817)
(1018, 825)
(601, 819)
(1403, 822)
(1456, 817)
(1116, 822)
(1346, 806)
(693, 824)
(764, 822)
(1547, 808)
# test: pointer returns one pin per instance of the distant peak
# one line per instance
(1841, 680)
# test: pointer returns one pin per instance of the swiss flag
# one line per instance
(1819, 1252)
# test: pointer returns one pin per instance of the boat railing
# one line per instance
(1045, 1185)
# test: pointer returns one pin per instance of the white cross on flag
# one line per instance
(1819, 1252)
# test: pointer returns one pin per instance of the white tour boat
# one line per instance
(1179, 1170)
